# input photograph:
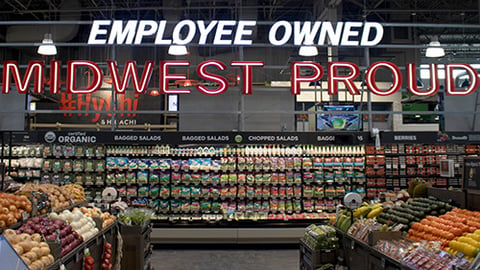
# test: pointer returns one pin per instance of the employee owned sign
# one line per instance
(228, 33)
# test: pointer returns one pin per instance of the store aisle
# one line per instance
(218, 259)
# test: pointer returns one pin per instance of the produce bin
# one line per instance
(314, 258)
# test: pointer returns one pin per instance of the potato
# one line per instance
(26, 260)
(18, 249)
(26, 245)
(44, 251)
(32, 256)
(37, 251)
(36, 237)
(46, 261)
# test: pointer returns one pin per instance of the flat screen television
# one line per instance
(327, 120)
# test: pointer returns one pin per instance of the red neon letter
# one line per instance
(130, 70)
(370, 78)
(55, 76)
(412, 80)
(450, 80)
(11, 68)
(165, 77)
(334, 78)
(296, 79)
(222, 81)
(96, 77)
(247, 73)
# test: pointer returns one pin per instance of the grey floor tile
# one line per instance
(237, 259)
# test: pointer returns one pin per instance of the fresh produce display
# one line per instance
(413, 211)
(320, 237)
(41, 199)
(368, 211)
(344, 220)
(76, 191)
(95, 212)
(49, 228)
(80, 223)
(426, 259)
(58, 196)
(136, 216)
(12, 207)
(361, 228)
(396, 249)
(107, 257)
(455, 230)
(88, 260)
(30, 247)
(418, 188)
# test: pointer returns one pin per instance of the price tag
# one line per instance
(24, 216)
(460, 255)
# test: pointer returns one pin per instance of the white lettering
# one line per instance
(348, 32)
(306, 34)
(366, 33)
(241, 31)
(95, 31)
(272, 35)
(118, 34)
(221, 31)
(333, 35)
(145, 28)
(160, 33)
(325, 138)
(177, 37)
(205, 31)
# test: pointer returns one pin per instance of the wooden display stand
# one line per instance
(136, 247)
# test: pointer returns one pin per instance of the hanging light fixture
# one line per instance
(434, 49)
(177, 50)
(308, 50)
(47, 47)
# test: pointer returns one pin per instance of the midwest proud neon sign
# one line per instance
(121, 80)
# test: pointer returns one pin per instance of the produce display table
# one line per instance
(359, 255)
(74, 260)
(137, 248)
(311, 259)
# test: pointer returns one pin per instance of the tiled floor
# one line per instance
(225, 259)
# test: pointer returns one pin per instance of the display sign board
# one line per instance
(100, 101)
(186, 138)
(471, 173)
(447, 168)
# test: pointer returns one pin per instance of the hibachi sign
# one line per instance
(224, 33)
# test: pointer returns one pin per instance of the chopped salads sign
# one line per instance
(215, 84)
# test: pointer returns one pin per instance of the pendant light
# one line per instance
(177, 50)
(308, 50)
(434, 49)
(47, 47)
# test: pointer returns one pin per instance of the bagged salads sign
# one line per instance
(224, 33)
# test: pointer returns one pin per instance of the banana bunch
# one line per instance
(368, 211)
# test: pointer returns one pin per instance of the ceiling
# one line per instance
(423, 13)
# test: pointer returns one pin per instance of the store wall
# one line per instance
(11, 111)
(264, 110)
(461, 122)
